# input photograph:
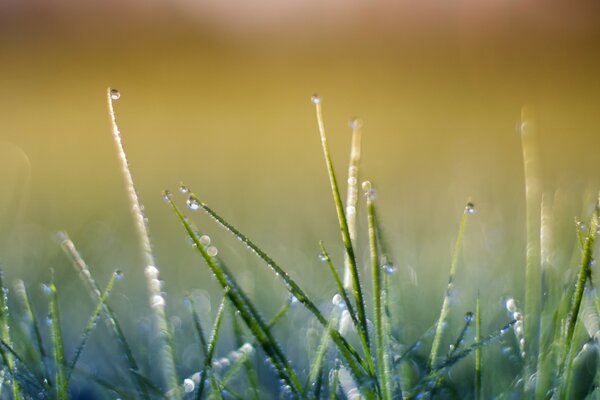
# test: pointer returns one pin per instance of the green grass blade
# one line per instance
(348, 352)
(352, 194)
(57, 345)
(380, 342)
(112, 322)
(356, 287)
(157, 301)
(91, 324)
(439, 331)
(24, 299)
(244, 306)
(245, 361)
(478, 388)
(7, 357)
(316, 366)
(461, 336)
(334, 382)
(210, 350)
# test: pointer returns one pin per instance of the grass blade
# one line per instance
(439, 330)
(210, 350)
(316, 367)
(7, 357)
(157, 301)
(478, 388)
(250, 372)
(352, 194)
(57, 345)
(357, 290)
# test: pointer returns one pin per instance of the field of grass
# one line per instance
(368, 337)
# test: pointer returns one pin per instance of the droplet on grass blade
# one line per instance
(188, 385)
(355, 123)
(470, 208)
(511, 305)
(389, 268)
(204, 240)
(183, 189)
(192, 203)
(323, 257)
(115, 94)
(212, 251)
(166, 195)
(157, 301)
(469, 317)
(315, 99)
(119, 275)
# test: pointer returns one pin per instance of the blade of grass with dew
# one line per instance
(22, 373)
(60, 379)
(439, 330)
(243, 305)
(461, 336)
(356, 287)
(316, 366)
(248, 368)
(348, 352)
(533, 265)
(478, 388)
(380, 342)
(352, 194)
(157, 300)
(24, 300)
(210, 350)
(111, 320)
(8, 359)
(334, 383)
(91, 324)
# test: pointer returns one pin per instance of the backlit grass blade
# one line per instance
(380, 340)
(244, 306)
(316, 366)
(112, 322)
(461, 336)
(356, 287)
(348, 352)
(24, 299)
(533, 287)
(7, 357)
(91, 324)
(156, 299)
(210, 350)
(60, 379)
(352, 194)
(478, 388)
(439, 330)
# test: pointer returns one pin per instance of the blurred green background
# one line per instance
(217, 96)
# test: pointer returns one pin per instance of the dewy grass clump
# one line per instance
(358, 352)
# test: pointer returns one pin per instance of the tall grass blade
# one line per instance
(352, 194)
(244, 306)
(91, 324)
(57, 345)
(351, 258)
(210, 350)
(380, 342)
(478, 387)
(157, 301)
(533, 288)
(316, 367)
(245, 361)
(111, 320)
(439, 330)
(7, 357)
(348, 352)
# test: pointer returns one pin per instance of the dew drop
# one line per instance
(167, 195)
(115, 94)
(46, 289)
(355, 123)
(352, 180)
(204, 240)
(292, 300)
(151, 272)
(469, 317)
(323, 257)
(192, 203)
(336, 300)
(212, 251)
(188, 385)
(315, 99)
(470, 208)
(183, 189)
(581, 226)
(350, 210)
(511, 305)
(157, 301)
(119, 275)
(389, 268)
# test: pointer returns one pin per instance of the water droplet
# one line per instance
(592, 262)
(581, 226)
(183, 189)
(119, 275)
(350, 210)
(292, 299)
(46, 289)
(315, 99)
(470, 208)
(151, 272)
(204, 240)
(389, 268)
(48, 319)
(247, 348)
(366, 186)
(115, 94)
(517, 316)
(352, 180)
(188, 385)
(511, 305)
(323, 257)
(167, 195)
(355, 123)
(469, 317)
(157, 301)
(192, 203)
(212, 251)
(337, 300)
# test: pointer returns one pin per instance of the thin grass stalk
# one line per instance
(334, 383)
(478, 387)
(244, 306)
(23, 373)
(7, 357)
(91, 324)
(356, 288)
(349, 353)
(210, 350)
(157, 301)
(439, 330)
(316, 367)
(250, 372)
(461, 336)
(60, 379)
(533, 264)
(111, 320)
(352, 194)
(380, 343)
(24, 299)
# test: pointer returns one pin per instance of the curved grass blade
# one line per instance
(57, 345)
(352, 194)
(157, 301)
(244, 306)
(7, 357)
(111, 320)
(356, 288)
(91, 324)
(439, 330)
(349, 353)
(380, 342)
